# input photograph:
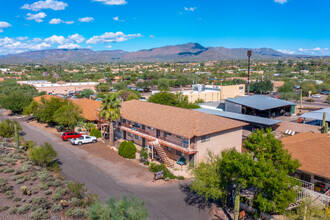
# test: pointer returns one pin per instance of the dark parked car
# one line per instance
(70, 135)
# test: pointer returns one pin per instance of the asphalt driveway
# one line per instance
(172, 201)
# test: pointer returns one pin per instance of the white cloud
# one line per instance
(86, 19)
(6, 40)
(37, 40)
(112, 2)
(77, 38)
(190, 9)
(287, 51)
(56, 40)
(58, 21)
(151, 36)
(22, 38)
(109, 46)
(47, 4)
(109, 37)
(40, 46)
(317, 51)
(281, 1)
(117, 19)
(4, 25)
(68, 46)
(37, 17)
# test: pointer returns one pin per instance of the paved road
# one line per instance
(169, 202)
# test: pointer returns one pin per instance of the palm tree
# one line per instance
(110, 111)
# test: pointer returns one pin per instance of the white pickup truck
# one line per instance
(84, 139)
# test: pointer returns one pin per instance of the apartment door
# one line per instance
(157, 133)
(124, 135)
(143, 142)
(191, 159)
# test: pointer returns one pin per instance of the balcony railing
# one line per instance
(183, 144)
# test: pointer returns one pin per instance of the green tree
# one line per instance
(308, 87)
(86, 93)
(7, 128)
(67, 115)
(307, 210)
(110, 111)
(120, 86)
(129, 209)
(163, 84)
(46, 111)
(43, 155)
(128, 94)
(103, 87)
(16, 101)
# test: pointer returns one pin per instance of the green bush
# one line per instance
(159, 167)
(77, 189)
(43, 155)
(129, 209)
(56, 208)
(75, 202)
(58, 194)
(13, 211)
(7, 128)
(39, 214)
(4, 208)
(4, 187)
(41, 202)
(43, 186)
(96, 133)
(23, 209)
(48, 192)
(76, 213)
(127, 149)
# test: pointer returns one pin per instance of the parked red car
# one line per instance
(70, 135)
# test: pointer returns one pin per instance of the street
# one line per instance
(163, 202)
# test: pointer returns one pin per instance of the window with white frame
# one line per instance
(130, 134)
(179, 153)
(205, 138)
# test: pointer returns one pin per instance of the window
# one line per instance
(205, 138)
(137, 137)
(178, 136)
(169, 149)
(129, 134)
(167, 133)
(320, 179)
(305, 177)
(179, 153)
(241, 87)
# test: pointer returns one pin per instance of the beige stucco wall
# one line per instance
(65, 89)
(217, 143)
(232, 91)
(206, 96)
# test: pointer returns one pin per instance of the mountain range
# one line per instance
(182, 52)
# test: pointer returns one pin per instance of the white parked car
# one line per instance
(84, 139)
(316, 96)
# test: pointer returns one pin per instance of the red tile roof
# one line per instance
(179, 121)
(312, 150)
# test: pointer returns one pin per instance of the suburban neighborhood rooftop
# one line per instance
(312, 150)
(183, 122)
(318, 114)
(259, 102)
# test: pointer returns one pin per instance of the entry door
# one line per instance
(157, 133)
(191, 159)
(143, 142)
(124, 134)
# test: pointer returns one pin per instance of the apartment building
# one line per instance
(171, 133)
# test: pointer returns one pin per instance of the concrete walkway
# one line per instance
(108, 179)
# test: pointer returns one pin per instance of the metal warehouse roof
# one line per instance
(240, 117)
(259, 102)
(318, 114)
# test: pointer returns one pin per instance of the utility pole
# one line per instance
(249, 54)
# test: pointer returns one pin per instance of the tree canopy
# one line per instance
(178, 100)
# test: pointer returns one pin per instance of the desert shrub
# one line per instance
(57, 195)
(29, 145)
(56, 208)
(34, 191)
(8, 170)
(77, 189)
(41, 202)
(75, 202)
(309, 100)
(143, 154)
(4, 187)
(4, 208)
(23, 209)
(39, 214)
(7, 128)
(129, 209)
(17, 199)
(22, 179)
(48, 192)
(57, 182)
(13, 211)
(96, 133)
(90, 199)
(10, 195)
(44, 176)
(76, 213)
(43, 186)
(127, 149)
(43, 155)
(158, 167)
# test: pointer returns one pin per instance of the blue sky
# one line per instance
(292, 26)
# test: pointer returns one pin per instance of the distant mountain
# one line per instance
(183, 52)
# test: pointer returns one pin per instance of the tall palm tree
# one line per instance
(110, 111)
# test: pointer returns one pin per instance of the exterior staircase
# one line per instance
(163, 155)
